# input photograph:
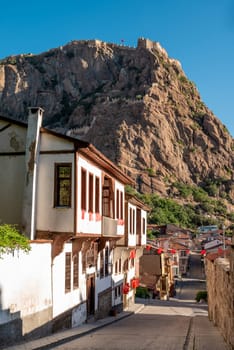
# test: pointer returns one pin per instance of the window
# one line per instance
(83, 189)
(90, 193)
(120, 266)
(101, 264)
(84, 261)
(76, 271)
(119, 204)
(106, 261)
(107, 198)
(67, 272)
(118, 290)
(125, 265)
(143, 226)
(97, 195)
(116, 267)
(63, 179)
(131, 221)
(91, 255)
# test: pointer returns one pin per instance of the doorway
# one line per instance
(90, 285)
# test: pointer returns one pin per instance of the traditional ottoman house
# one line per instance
(69, 199)
(156, 271)
(128, 251)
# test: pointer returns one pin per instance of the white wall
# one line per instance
(12, 138)
(51, 142)
(25, 282)
(12, 170)
(64, 301)
(49, 218)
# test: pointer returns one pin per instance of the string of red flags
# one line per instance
(161, 250)
(203, 252)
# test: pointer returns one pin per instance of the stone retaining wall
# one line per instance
(220, 287)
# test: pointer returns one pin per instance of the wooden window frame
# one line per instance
(144, 226)
(68, 261)
(121, 205)
(106, 264)
(83, 189)
(97, 195)
(91, 192)
(58, 185)
(76, 271)
(102, 266)
(117, 204)
(108, 201)
(120, 266)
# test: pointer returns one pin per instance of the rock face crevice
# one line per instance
(134, 104)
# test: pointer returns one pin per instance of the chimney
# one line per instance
(32, 153)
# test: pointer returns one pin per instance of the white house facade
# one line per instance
(69, 200)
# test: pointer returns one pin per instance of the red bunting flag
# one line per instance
(126, 288)
(132, 254)
(135, 283)
(173, 251)
(203, 252)
(159, 250)
(187, 251)
(148, 247)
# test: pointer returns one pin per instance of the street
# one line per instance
(176, 324)
(179, 323)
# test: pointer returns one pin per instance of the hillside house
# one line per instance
(69, 200)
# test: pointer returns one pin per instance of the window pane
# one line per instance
(76, 271)
(67, 272)
(63, 175)
(83, 189)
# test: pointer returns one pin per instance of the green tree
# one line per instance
(11, 239)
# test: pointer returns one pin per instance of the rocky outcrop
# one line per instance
(134, 104)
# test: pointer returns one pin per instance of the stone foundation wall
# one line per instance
(220, 287)
(104, 304)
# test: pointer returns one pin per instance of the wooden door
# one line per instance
(90, 294)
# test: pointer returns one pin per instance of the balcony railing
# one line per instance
(109, 227)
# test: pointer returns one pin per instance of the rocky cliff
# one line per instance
(134, 104)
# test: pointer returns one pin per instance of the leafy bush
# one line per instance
(142, 292)
(11, 239)
(201, 295)
(199, 195)
(184, 190)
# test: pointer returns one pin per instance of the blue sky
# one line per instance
(199, 33)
